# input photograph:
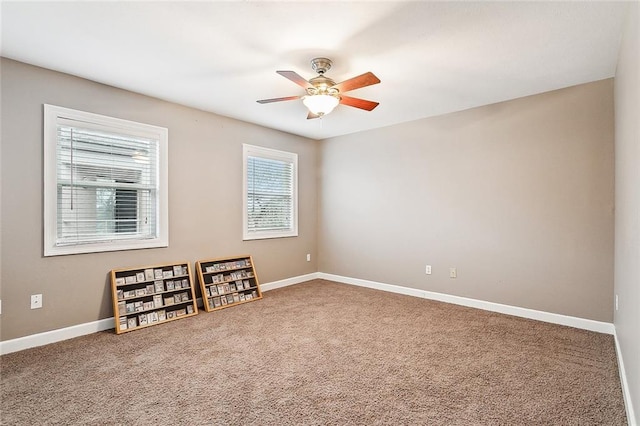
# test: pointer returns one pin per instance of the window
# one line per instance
(270, 198)
(105, 183)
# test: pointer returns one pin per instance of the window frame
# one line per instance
(271, 154)
(52, 114)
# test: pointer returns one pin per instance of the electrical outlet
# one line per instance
(453, 273)
(308, 257)
(427, 270)
(36, 301)
(616, 302)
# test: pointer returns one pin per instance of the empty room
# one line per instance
(319, 213)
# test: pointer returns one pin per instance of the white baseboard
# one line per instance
(53, 336)
(61, 334)
(108, 323)
(372, 284)
(289, 281)
(585, 324)
(631, 417)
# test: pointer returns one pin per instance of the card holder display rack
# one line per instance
(151, 295)
(227, 282)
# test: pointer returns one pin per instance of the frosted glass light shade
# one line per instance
(320, 104)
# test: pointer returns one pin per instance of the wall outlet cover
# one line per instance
(36, 301)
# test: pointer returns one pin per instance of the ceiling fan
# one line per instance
(323, 94)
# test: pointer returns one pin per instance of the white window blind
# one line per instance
(270, 199)
(107, 186)
(108, 183)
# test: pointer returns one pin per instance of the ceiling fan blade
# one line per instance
(312, 115)
(366, 79)
(296, 78)
(268, 101)
(358, 103)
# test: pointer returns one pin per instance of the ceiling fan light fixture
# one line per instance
(323, 94)
(320, 104)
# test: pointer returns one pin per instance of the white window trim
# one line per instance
(51, 115)
(258, 151)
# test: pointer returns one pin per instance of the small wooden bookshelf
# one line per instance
(151, 295)
(227, 282)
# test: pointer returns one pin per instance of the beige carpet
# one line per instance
(322, 353)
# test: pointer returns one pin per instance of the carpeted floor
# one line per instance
(322, 353)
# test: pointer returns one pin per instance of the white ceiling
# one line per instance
(432, 57)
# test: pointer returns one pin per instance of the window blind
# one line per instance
(270, 186)
(107, 185)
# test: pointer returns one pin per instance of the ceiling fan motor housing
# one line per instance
(321, 65)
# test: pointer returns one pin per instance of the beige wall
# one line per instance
(205, 186)
(627, 219)
(518, 196)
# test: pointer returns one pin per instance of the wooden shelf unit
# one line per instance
(227, 282)
(151, 295)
